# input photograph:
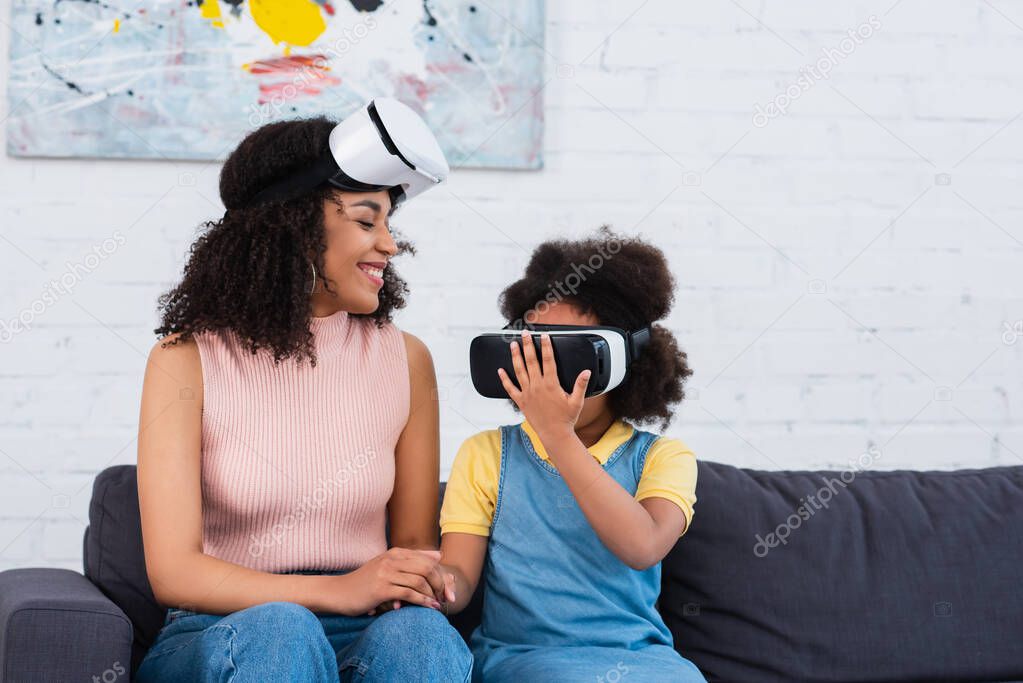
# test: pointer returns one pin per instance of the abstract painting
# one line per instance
(187, 79)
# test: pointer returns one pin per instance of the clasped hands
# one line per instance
(400, 575)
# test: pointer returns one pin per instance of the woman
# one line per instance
(286, 423)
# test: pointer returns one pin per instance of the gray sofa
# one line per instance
(785, 576)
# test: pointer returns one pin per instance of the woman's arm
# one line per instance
(170, 504)
(412, 510)
(639, 533)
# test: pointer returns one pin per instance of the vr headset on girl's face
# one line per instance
(606, 352)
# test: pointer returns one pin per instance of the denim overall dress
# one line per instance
(558, 605)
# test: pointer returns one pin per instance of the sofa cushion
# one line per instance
(851, 576)
(113, 555)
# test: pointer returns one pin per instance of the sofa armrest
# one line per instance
(57, 626)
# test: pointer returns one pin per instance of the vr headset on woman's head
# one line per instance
(383, 146)
(607, 352)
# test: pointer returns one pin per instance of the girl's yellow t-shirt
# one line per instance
(669, 472)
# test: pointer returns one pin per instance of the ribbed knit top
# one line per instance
(298, 461)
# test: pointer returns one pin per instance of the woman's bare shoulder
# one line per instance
(175, 359)
(417, 350)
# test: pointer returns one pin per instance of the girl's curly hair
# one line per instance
(249, 272)
(626, 283)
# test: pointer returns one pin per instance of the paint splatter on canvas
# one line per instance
(187, 79)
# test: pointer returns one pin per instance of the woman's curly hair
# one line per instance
(249, 272)
(626, 283)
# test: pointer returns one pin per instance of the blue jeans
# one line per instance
(652, 664)
(284, 641)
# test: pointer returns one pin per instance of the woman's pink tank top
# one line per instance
(297, 461)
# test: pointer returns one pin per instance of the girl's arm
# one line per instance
(170, 505)
(639, 533)
(462, 558)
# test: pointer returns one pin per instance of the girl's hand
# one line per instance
(396, 576)
(543, 402)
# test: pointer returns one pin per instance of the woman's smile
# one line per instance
(374, 270)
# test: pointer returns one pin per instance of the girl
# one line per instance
(269, 460)
(575, 505)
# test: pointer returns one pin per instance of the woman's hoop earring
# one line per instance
(313, 288)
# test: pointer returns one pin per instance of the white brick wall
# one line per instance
(899, 342)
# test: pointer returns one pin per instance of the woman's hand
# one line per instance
(543, 402)
(396, 576)
(446, 596)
